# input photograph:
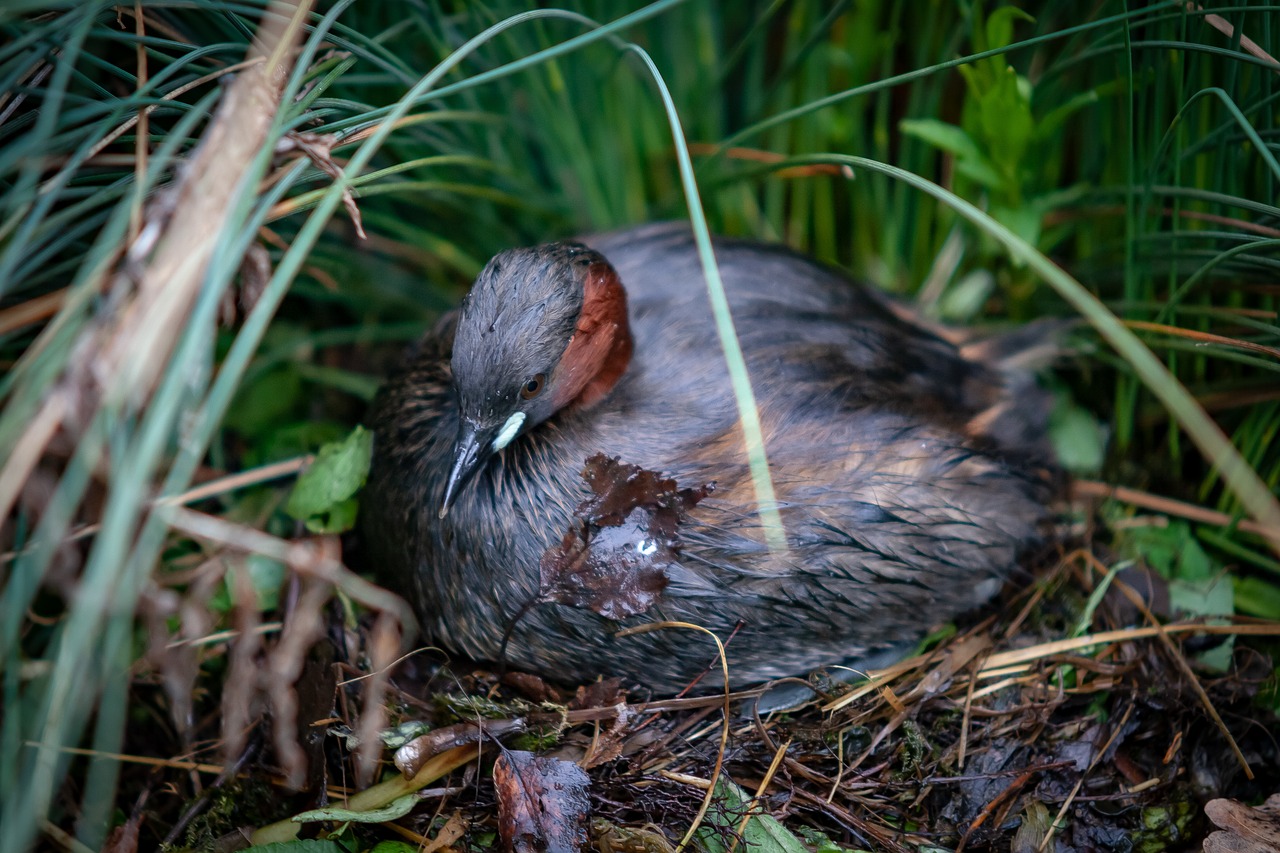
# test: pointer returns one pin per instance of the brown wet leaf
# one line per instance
(542, 803)
(124, 838)
(599, 694)
(1244, 829)
(453, 829)
(532, 687)
(614, 558)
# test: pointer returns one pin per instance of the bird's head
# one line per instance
(542, 329)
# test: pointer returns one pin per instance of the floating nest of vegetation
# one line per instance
(1046, 725)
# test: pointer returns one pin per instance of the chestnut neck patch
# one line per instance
(600, 350)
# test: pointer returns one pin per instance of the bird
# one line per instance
(909, 460)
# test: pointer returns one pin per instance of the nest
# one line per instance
(1045, 726)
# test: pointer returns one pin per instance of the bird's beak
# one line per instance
(469, 452)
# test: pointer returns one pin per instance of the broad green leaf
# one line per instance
(1077, 437)
(1257, 597)
(1212, 597)
(1158, 547)
(1023, 220)
(340, 518)
(941, 134)
(763, 833)
(970, 161)
(1174, 552)
(1007, 125)
(981, 172)
(322, 495)
(265, 574)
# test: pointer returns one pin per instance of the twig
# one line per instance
(1202, 337)
(239, 480)
(31, 310)
(997, 663)
(303, 556)
(1169, 506)
(753, 807)
(1066, 804)
(724, 735)
(1223, 26)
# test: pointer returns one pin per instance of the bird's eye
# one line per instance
(533, 387)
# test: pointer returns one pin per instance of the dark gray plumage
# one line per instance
(910, 475)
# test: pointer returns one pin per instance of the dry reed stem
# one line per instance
(1169, 506)
(138, 340)
(240, 480)
(211, 489)
(32, 310)
(1019, 660)
(121, 355)
(304, 556)
(754, 806)
(1203, 337)
(1223, 26)
(724, 732)
(29, 448)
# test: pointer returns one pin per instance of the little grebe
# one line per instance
(909, 465)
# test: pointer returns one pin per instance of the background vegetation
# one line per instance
(1132, 144)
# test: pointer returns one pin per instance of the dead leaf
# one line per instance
(453, 829)
(604, 693)
(614, 558)
(318, 147)
(532, 687)
(1244, 829)
(542, 803)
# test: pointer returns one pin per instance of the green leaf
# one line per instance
(1051, 124)
(1212, 597)
(1023, 220)
(970, 161)
(262, 404)
(1257, 597)
(763, 833)
(393, 810)
(266, 575)
(395, 847)
(322, 495)
(962, 301)
(1175, 553)
(403, 733)
(1000, 25)
(1078, 438)
(941, 134)
(340, 518)
(981, 172)
(1007, 126)
(300, 846)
